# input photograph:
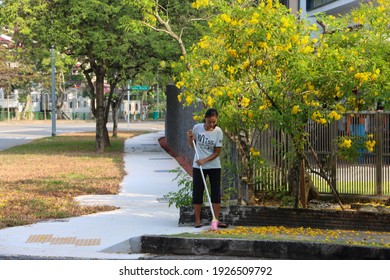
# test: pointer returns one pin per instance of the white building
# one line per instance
(330, 7)
(76, 106)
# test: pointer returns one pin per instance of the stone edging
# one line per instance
(266, 249)
(275, 216)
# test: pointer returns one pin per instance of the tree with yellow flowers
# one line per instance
(260, 66)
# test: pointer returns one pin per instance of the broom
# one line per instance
(214, 222)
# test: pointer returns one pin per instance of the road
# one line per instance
(22, 132)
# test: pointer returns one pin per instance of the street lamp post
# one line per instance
(53, 95)
(128, 104)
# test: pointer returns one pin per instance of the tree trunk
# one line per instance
(26, 107)
(106, 136)
(251, 194)
(101, 129)
(114, 120)
(293, 180)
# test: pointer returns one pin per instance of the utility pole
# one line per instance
(128, 104)
(53, 95)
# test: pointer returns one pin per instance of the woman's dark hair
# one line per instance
(210, 113)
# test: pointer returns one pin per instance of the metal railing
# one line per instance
(369, 174)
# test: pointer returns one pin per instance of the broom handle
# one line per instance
(204, 181)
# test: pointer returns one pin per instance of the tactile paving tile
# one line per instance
(63, 240)
(49, 238)
(40, 238)
(87, 242)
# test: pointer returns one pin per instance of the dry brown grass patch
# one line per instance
(40, 180)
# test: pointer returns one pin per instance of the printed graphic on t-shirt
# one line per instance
(205, 142)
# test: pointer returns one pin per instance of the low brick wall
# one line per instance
(264, 249)
(275, 216)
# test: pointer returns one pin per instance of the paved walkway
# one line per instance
(106, 235)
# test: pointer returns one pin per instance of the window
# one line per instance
(34, 97)
(285, 2)
(312, 4)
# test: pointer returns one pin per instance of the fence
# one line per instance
(369, 174)
(4, 116)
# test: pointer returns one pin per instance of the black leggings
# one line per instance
(198, 185)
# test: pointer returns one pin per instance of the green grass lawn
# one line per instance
(351, 187)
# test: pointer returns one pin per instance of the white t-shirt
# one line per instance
(205, 142)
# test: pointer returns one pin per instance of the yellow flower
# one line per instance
(295, 38)
(197, 118)
(246, 64)
(245, 102)
(259, 62)
(316, 115)
(313, 27)
(231, 69)
(200, 3)
(204, 62)
(226, 18)
(285, 22)
(370, 145)
(307, 49)
(340, 108)
(362, 77)
(204, 44)
(295, 110)
(216, 67)
(179, 84)
(210, 101)
(310, 86)
(334, 115)
(305, 40)
(262, 45)
(346, 144)
(179, 97)
(263, 107)
(254, 153)
(189, 99)
(321, 121)
(254, 21)
(232, 52)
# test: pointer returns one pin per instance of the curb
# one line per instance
(264, 249)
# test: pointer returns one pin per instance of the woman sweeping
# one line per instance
(208, 138)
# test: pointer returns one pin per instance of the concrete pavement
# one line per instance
(106, 235)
